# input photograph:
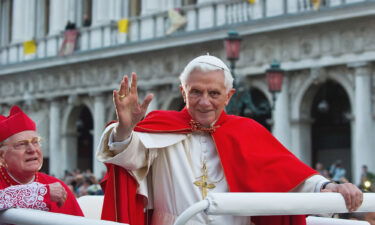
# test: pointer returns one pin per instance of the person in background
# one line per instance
(367, 180)
(21, 158)
(320, 168)
(338, 172)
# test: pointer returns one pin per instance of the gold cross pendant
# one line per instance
(202, 183)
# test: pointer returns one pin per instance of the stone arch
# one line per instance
(173, 102)
(302, 103)
(262, 86)
(70, 137)
(260, 95)
(304, 93)
(331, 126)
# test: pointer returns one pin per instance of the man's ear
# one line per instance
(229, 95)
(183, 93)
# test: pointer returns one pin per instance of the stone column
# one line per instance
(281, 128)
(55, 162)
(59, 19)
(69, 152)
(274, 8)
(23, 20)
(100, 13)
(301, 142)
(152, 6)
(99, 123)
(363, 152)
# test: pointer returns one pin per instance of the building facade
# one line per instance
(324, 112)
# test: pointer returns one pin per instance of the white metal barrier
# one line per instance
(260, 204)
(36, 217)
(91, 206)
(313, 220)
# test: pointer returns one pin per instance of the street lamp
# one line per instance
(232, 45)
(274, 76)
(242, 103)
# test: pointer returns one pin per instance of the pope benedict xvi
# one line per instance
(171, 160)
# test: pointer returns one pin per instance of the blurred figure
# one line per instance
(320, 168)
(82, 190)
(338, 172)
(94, 188)
(70, 25)
(86, 21)
(367, 180)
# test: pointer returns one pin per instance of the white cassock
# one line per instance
(173, 163)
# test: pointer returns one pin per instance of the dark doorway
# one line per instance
(177, 104)
(331, 134)
(262, 110)
(84, 126)
(251, 103)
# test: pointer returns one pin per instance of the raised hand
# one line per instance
(128, 109)
(57, 193)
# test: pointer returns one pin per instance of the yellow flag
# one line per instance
(316, 4)
(251, 1)
(123, 25)
(29, 47)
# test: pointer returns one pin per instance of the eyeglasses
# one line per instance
(24, 144)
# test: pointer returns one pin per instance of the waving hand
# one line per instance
(128, 109)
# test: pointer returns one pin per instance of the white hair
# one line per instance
(206, 63)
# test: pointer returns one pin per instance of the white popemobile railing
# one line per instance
(37, 217)
(259, 204)
(242, 204)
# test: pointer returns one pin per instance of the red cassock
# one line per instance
(70, 206)
(252, 159)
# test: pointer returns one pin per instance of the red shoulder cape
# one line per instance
(252, 159)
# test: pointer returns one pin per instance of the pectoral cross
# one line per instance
(202, 183)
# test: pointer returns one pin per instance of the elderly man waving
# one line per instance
(21, 158)
(176, 158)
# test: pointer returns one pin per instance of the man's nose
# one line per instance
(204, 100)
(30, 147)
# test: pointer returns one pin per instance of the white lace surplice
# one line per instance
(24, 196)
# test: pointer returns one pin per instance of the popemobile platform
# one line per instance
(240, 204)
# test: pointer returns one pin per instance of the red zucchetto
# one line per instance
(16, 122)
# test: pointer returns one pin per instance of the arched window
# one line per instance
(6, 22)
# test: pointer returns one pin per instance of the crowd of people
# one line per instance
(337, 173)
(82, 183)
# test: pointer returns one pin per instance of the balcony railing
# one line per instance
(154, 26)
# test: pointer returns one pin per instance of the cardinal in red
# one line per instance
(21, 158)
